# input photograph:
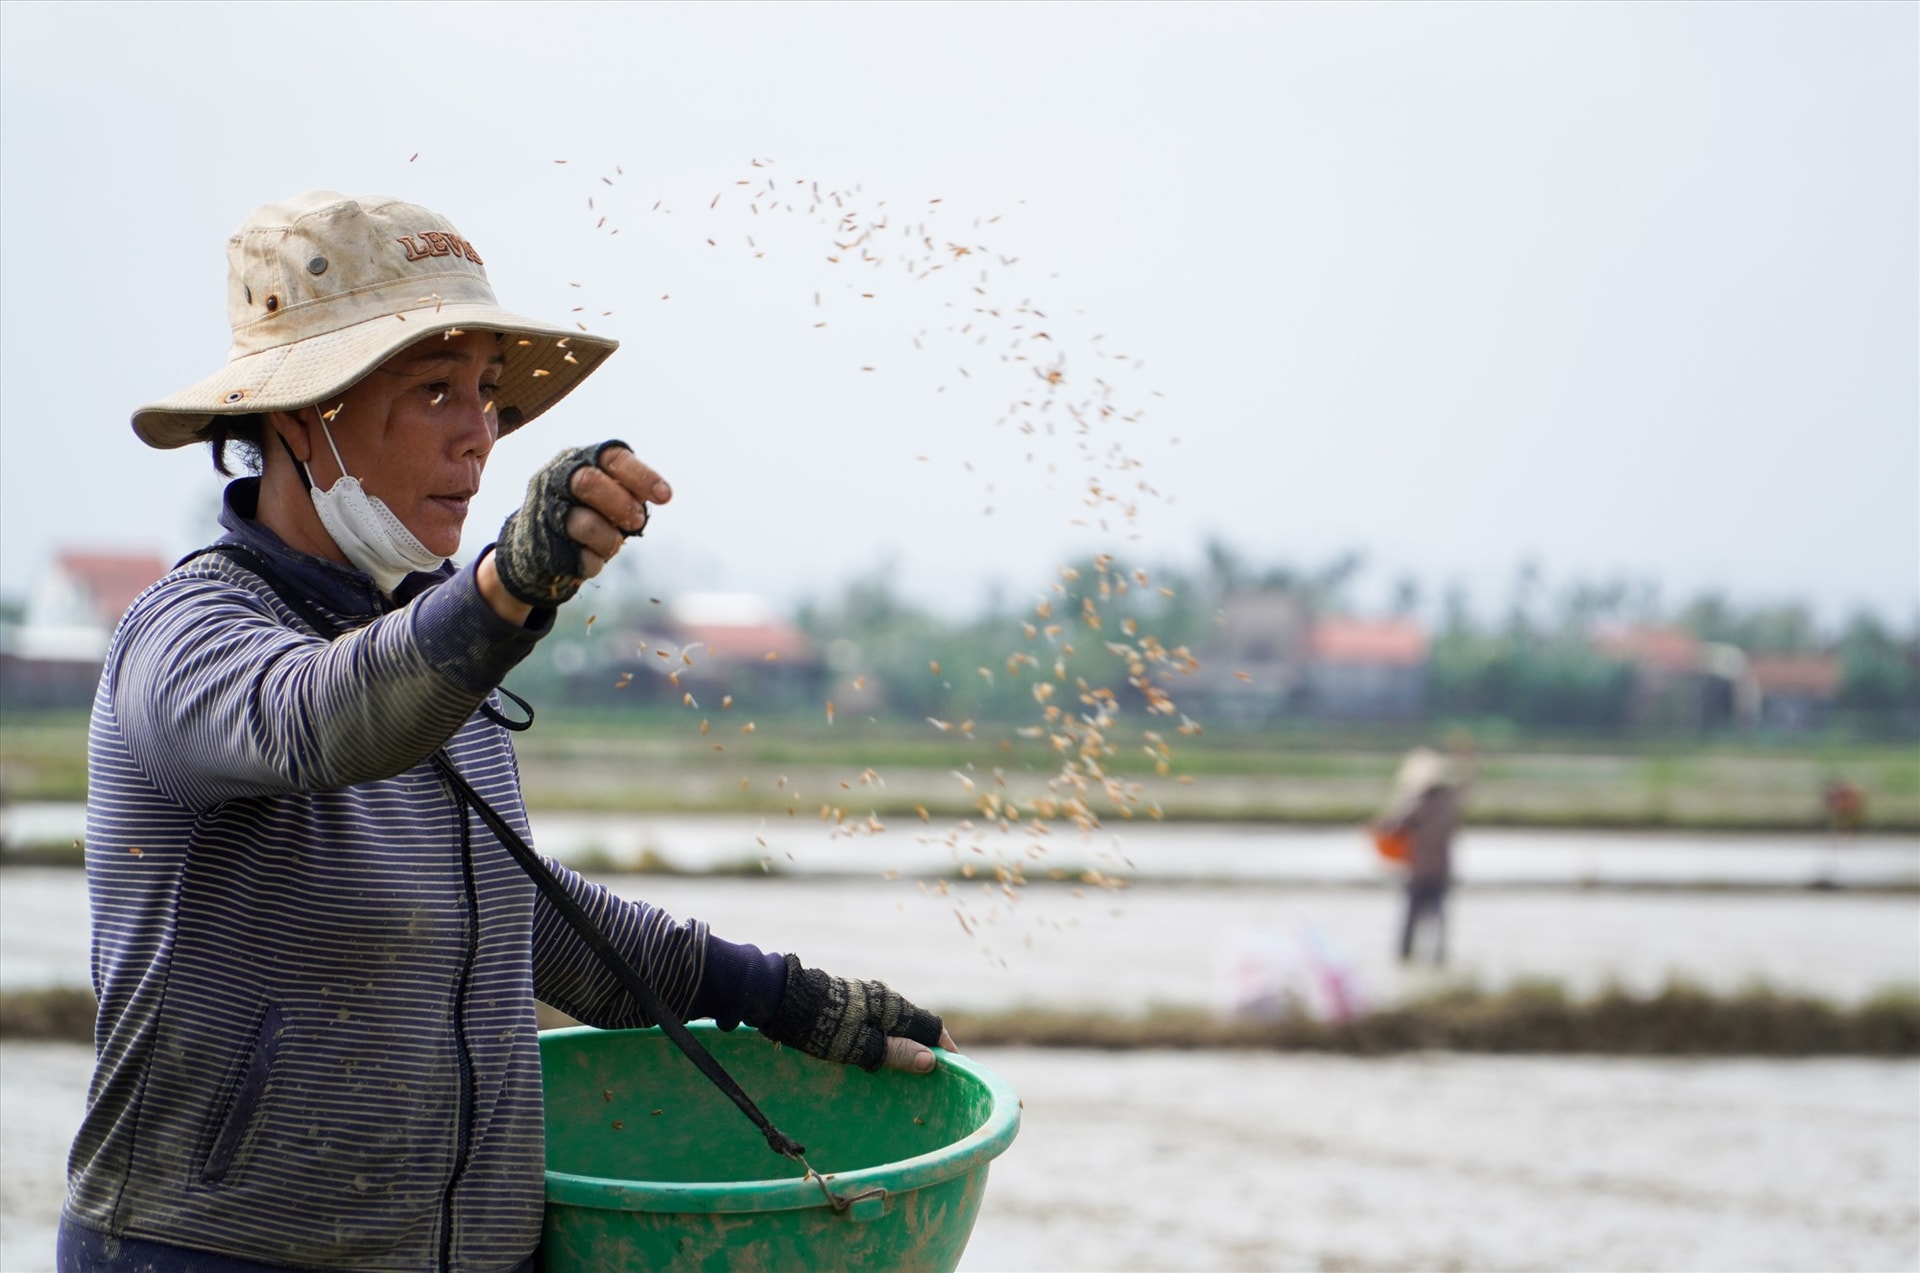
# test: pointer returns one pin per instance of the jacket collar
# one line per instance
(342, 589)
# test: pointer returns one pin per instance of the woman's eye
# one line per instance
(437, 391)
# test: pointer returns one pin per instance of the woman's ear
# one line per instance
(293, 433)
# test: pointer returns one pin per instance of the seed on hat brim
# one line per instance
(541, 371)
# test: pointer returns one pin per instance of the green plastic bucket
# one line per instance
(649, 1166)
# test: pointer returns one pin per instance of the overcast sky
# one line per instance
(1622, 289)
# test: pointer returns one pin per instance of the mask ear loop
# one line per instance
(298, 467)
(331, 445)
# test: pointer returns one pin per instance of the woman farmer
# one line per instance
(316, 965)
(1425, 809)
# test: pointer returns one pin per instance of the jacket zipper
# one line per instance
(464, 1137)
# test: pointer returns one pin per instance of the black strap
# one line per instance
(542, 876)
(616, 963)
(502, 719)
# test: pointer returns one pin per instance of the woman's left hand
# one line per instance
(863, 1023)
(916, 1058)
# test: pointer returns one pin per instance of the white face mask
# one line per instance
(365, 529)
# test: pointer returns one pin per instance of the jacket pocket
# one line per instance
(245, 1102)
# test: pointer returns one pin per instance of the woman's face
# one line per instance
(417, 430)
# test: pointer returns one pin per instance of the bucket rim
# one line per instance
(970, 1153)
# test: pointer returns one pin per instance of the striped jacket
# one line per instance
(317, 972)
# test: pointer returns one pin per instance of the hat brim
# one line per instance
(544, 363)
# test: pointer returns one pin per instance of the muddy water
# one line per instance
(1159, 1160)
(1163, 851)
(974, 947)
(1216, 1161)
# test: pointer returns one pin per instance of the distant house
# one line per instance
(1797, 691)
(52, 658)
(1252, 667)
(1271, 657)
(715, 644)
(1681, 681)
(1366, 669)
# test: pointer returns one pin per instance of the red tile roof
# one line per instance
(748, 642)
(1815, 675)
(1667, 649)
(111, 580)
(1377, 642)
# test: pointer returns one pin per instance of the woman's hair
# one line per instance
(246, 432)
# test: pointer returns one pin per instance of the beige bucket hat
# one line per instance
(324, 287)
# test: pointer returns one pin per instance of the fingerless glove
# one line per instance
(538, 562)
(846, 1021)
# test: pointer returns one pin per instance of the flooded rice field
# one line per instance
(1159, 1160)
(1246, 1161)
(967, 944)
(1174, 1160)
(1143, 851)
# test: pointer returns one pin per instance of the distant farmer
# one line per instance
(1845, 806)
(316, 964)
(1423, 814)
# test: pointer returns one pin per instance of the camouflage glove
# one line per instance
(845, 1021)
(538, 562)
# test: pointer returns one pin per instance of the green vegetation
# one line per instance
(1003, 700)
(1680, 1020)
(1530, 671)
(654, 759)
(59, 1012)
(43, 755)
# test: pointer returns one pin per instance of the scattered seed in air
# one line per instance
(1071, 400)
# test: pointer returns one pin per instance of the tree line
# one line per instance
(1097, 625)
